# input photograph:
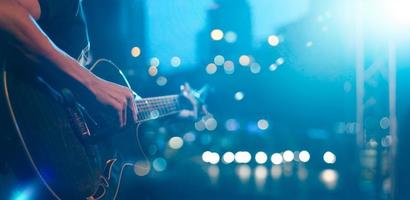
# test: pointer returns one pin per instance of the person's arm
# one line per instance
(18, 22)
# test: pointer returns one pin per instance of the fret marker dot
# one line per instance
(154, 114)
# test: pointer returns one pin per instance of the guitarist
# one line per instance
(49, 37)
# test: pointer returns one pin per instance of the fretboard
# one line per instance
(155, 107)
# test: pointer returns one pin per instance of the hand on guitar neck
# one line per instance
(119, 97)
(188, 104)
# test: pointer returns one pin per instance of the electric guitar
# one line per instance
(69, 143)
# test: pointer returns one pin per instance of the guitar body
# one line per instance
(69, 150)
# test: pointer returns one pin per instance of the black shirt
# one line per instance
(64, 23)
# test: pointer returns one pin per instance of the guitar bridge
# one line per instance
(75, 114)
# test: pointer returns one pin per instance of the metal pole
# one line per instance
(359, 75)
(392, 110)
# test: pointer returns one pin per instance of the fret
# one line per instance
(155, 107)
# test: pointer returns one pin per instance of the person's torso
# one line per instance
(64, 23)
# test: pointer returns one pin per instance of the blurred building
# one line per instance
(228, 31)
(117, 32)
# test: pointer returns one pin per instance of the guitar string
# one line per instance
(144, 107)
(156, 104)
(145, 111)
(150, 106)
(147, 108)
(159, 108)
(146, 117)
(156, 99)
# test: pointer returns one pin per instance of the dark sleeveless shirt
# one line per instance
(64, 23)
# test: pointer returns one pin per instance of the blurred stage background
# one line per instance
(307, 96)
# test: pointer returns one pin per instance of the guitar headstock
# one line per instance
(196, 99)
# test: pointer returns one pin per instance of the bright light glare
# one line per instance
(273, 40)
(255, 68)
(189, 137)
(276, 171)
(276, 158)
(176, 142)
(142, 168)
(329, 157)
(280, 61)
(135, 52)
(25, 194)
(304, 156)
(273, 67)
(261, 173)
(243, 157)
(239, 96)
(228, 157)
(288, 156)
(261, 157)
(159, 164)
(211, 68)
(200, 125)
(385, 123)
(210, 157)
(175, 61)
(329, 177)
(244, 60)
(232, 125)
(398, 11)
(205, 156)
(219, 60)
(244, 173)
(263, 124)
(217, 34)
(229, 67)
(214, 158)
(213, 172)
(211, 124)
(162, 80)
(152, 71)
(155, 61)
(230, 37)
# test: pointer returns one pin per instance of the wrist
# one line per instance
(90, 81)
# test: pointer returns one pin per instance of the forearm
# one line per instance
(17, 22)
(28, 37)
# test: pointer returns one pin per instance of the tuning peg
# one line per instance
(185, 87)
(202, 93)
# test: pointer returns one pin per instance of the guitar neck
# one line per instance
(156, 107)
